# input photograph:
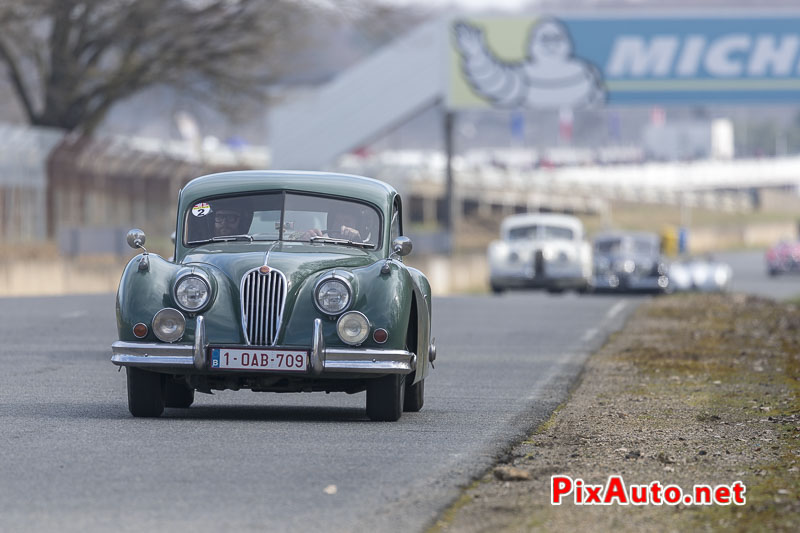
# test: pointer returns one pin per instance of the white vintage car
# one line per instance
(540, 251)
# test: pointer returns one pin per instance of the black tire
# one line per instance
(497, 289)
(773, 272)
(415, 396)
(145, 393)
(178, 394)
(385, 398)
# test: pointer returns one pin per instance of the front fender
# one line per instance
(424, 308)
(142, 293)
(385, 299)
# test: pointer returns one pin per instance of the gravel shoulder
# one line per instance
(695, 389)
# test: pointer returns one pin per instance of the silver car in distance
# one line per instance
(541, 251)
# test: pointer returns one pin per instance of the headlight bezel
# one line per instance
(333, 278)
(182, 279)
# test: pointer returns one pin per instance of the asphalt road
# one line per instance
(73, 459)
(750, 275)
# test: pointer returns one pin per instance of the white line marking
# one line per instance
(591, 332)
(74, 314)
(617, 309)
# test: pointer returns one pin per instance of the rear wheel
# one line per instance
(145, 392)
(497, 289)
(178, 394)
(415, 396)
(385, 398)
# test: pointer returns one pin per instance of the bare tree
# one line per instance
(70, 61)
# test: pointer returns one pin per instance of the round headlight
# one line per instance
(192, 293)
(353, 327)
(332, 296)
(169, 325)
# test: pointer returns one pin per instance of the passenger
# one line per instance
(341, 225)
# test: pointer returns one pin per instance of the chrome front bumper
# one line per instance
(194, 358)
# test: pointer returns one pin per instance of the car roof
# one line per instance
(621, 234)
(515, 221)
(348, 185)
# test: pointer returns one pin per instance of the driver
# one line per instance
(226, 222)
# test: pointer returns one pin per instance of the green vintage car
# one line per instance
(281, 281)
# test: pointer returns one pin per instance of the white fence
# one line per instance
(23, 181)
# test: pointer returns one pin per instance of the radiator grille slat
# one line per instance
(263, 298)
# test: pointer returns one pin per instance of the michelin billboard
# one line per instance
(567, 62)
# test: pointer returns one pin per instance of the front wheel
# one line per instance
(145, 392)
(178, 394)
(385, 397)
(415, 396)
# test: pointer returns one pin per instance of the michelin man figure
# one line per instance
(550, 76)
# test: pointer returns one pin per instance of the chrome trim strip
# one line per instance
(147, 349)
(370, 361)
(200, 343)
(266, 255)
(317, 354)
(153, 361)
(322, 361)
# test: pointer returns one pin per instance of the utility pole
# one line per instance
(449, 222)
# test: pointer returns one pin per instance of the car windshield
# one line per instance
(540, 231)
(636, 245)
(644, 246)
(608, 246)
(282, 216)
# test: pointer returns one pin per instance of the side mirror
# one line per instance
(135, 238)
(172, 237)
(401, 246)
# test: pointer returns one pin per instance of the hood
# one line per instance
(536, 244)
(297, 260)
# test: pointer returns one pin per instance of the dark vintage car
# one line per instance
(783, 258)
(281, 281)
(629, 261)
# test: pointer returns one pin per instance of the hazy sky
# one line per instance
(466, 4)
(469, 4)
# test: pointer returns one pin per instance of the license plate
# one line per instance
(255, 359)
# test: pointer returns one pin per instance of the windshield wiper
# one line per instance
(224, 238)
(341, 241)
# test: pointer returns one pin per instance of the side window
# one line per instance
(395, 224)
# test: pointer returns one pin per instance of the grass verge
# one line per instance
(696, 389)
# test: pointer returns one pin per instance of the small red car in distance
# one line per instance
(783, 257)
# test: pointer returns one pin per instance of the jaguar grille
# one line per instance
(263, 298)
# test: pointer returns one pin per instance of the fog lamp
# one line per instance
(169, 325)
(352, 328)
